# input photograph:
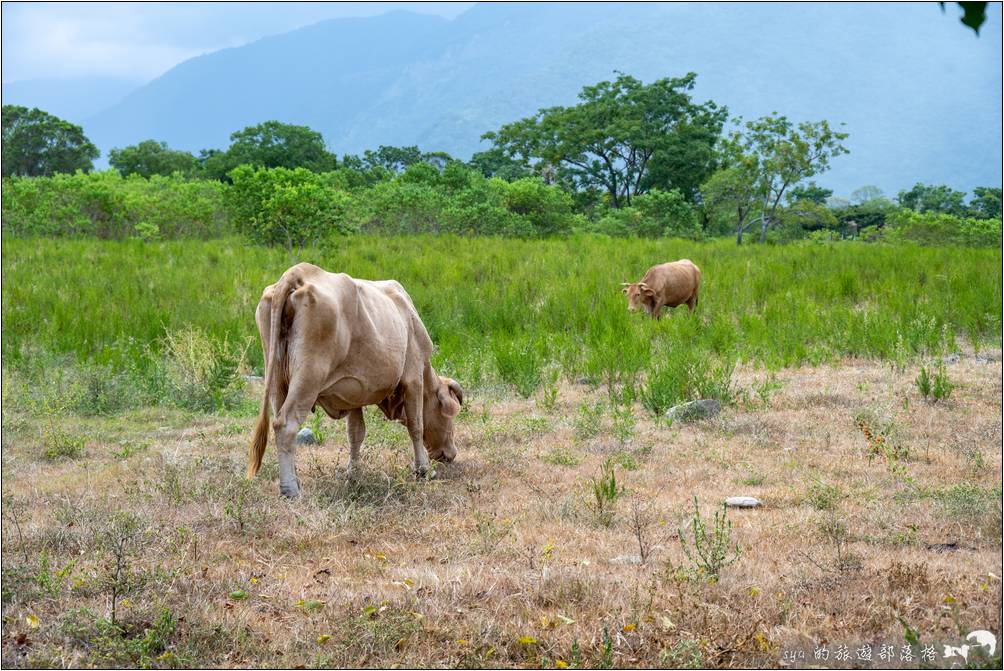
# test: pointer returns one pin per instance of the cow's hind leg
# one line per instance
(286, 423)
(413, 402)
(357, 433)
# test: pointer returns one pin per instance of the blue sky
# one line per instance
(140, 41)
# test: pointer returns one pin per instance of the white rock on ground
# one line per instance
(306, 437)
(707, 407)
(742, 502)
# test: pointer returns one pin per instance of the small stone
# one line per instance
(742, 502)
(306, 437)
(701, 409)
(626, 559)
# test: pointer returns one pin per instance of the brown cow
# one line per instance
(666, 285)
(342, 343)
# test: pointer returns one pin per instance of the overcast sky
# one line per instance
(140, 41)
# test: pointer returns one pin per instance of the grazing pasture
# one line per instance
(861, 393)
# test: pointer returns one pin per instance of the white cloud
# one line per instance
(140, 41)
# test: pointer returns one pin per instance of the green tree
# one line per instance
(495, 163)
(806, 215)
(937, 198)
(394, 159)
(811, 192)
(866, 194)
(151, 158)
(36, 143)
(614, 136)
(731, 196)
(780, 155)
(280, 206)
(872, 215)
(270, 145)
(986, 203)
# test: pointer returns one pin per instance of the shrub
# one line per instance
(710, 550)
(106, 205)
(933, 382)
(292, 208)
(684, 376)
(202, 373)
(58, 444)
(606, 492)
(932, 228)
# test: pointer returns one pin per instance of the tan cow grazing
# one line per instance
(665, 285)
(342, 343)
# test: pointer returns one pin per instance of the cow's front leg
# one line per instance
(357, 433)
(413, 402)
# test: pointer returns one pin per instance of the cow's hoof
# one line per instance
(289, 492)
(425, 473)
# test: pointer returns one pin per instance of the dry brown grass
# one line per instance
(501, 561)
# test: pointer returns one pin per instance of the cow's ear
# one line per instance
(449, 405)
(645, 289)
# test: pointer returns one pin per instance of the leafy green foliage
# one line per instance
(270, 145)
(932, 382)
(286, 207)
(106, 205)
(986, 203)
(612, 139)
(939, 199)
(709, 549)
(931, 228)
(202, 373)
(150, 158)
(461, 200)
(811, 192)
(36, 143)
(776, 154)
(686, 376)
(606, 491)
(974, 14)
(652, 215)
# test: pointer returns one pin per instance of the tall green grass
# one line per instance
(503, 311)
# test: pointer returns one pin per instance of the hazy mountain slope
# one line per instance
(920, 94)
(71, 99)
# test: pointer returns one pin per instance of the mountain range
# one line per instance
(919, 94)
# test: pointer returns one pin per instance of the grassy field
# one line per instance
(564, 534)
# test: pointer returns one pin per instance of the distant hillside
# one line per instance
(71, 99)
(919, 93)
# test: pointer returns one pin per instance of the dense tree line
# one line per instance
(629, 159)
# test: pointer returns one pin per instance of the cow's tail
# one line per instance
(260, 440)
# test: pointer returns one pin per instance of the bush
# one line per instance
(292, 208)
(202, 373)
(106, 205)
(462, 201)
(655, 214)
(930, 228)
(684, 377)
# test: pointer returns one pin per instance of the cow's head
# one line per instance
(640, 296)
(442, 403)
